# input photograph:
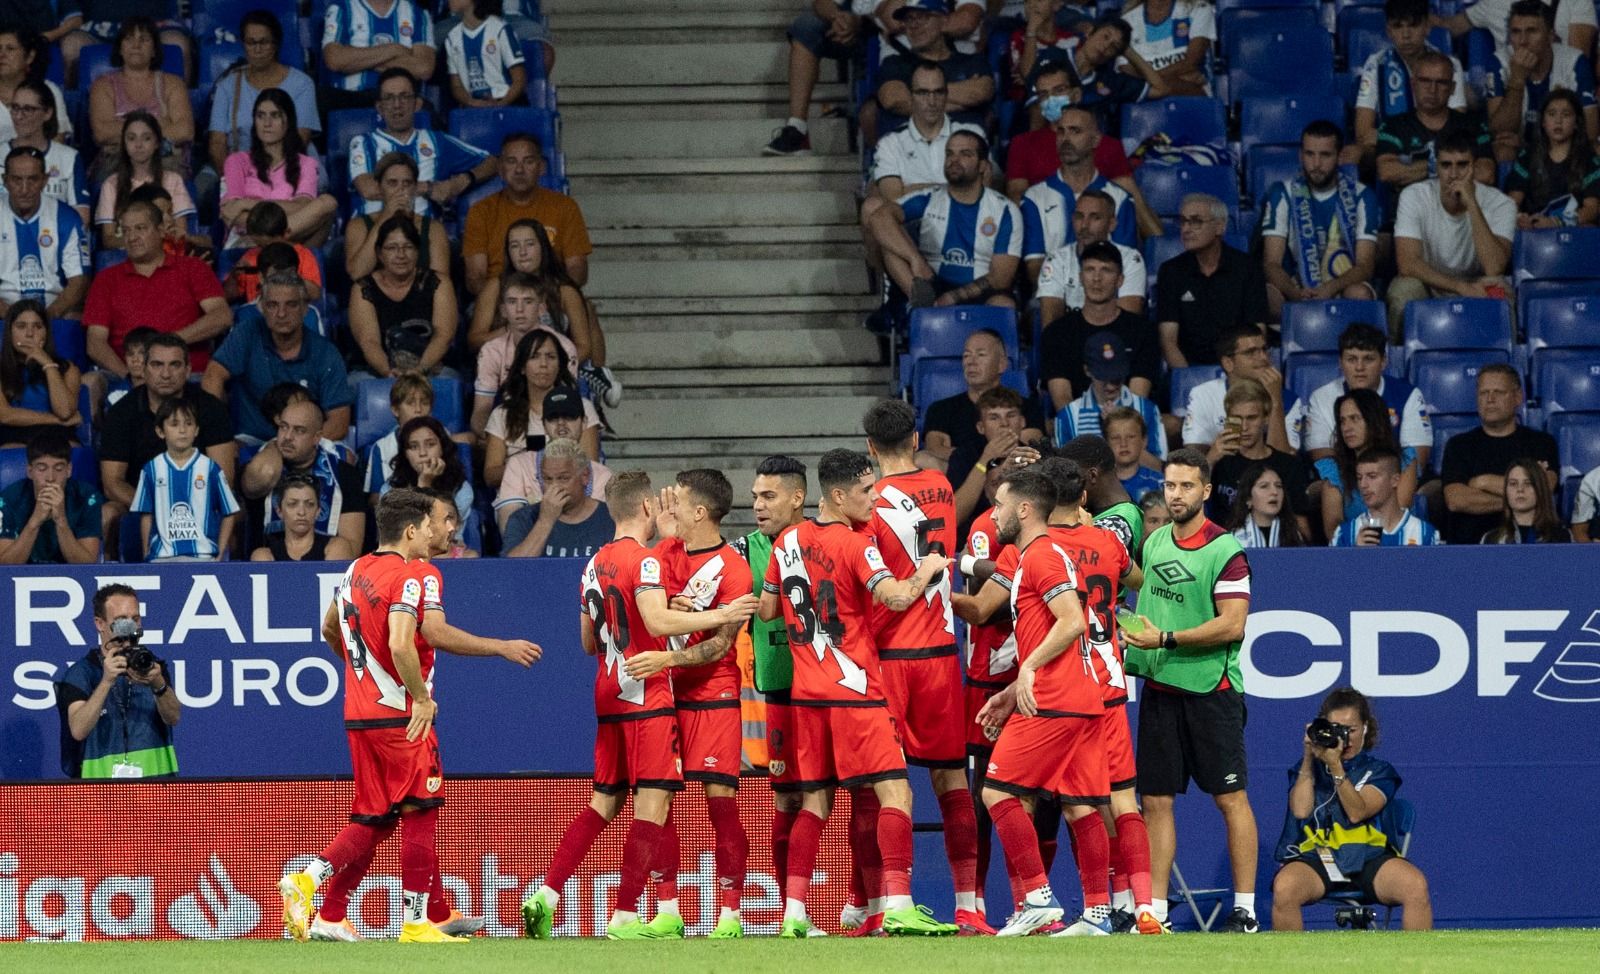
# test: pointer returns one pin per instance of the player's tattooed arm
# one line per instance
(701, 654)
(899, 595)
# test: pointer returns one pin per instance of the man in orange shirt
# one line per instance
(521, 166)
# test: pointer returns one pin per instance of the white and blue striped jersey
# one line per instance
(483, 57)
(354, 23)
(957, 239)
(187, 503)
(1047, 210)
(63, 174)
(1082, 416)
(438, 156)
(1411, 530)
(40, 254)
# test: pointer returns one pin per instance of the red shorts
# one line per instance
(1051, 756)
(1118, 743)
(977, 735)
(391, 771)
(710, 736)
(925, 699)
(844, 747)
(640, 753)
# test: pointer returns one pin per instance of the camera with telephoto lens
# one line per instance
(1324, 733)
(139, 658)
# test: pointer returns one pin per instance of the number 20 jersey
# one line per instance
(374, 586)
(824, 575)
(612, 582)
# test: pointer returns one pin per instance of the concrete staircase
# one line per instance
(730, 286)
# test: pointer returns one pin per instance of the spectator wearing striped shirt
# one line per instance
(1107, 364)
(483, 57)
(1384, 523)
(446, 166)
(363, 38)
(186, 510)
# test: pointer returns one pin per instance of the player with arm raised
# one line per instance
(624, 613)
(707, 572)
(824, 579)
(332, 922)
(915, 516)
(389, 711)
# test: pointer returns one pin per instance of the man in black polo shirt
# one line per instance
(1062, 341)
(1208, 288)
(952, 424)
(128, 438)
(1475, 462)
(1405, 142)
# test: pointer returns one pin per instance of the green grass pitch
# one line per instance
(1454, 952)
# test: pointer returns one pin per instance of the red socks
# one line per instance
(960, 838)
(1133, 848)
(336, 894)
(782, 824)
(866, 878)
(417, 856)
(1021, 845)
(638, 852)
(665, 869)
(894, 845)
(1092, 844)
(438, 903)
(805, 837)
(353, 842)
(575, 843)
(733, 848)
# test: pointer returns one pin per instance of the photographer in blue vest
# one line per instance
(117, 704)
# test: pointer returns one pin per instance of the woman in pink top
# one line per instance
(138, 162)
(139, 85)
(276, 168)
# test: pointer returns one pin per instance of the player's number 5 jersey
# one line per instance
(915, 517)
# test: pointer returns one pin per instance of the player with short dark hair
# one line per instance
(625, 613)
(373, 625)
(915, 516)
(825, 580)
(703, 569)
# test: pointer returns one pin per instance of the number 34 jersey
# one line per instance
(374, 587)
(824, 575)
(612, 582)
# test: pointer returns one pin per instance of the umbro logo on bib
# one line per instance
(1173, 572)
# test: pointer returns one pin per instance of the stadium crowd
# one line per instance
(295, 280)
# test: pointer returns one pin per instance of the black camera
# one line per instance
(139, 658)
(1324, 733)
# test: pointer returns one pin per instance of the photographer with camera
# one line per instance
(117, 704)
(1337, 836)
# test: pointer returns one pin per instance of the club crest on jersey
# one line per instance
(489, 48)
(45, 239)
(405, 28)
(699, 587)
(434, 781)
(411, 592)
(988, 228)
(650, 572)
(1180, 29)
(875, 560)
(425, 149)
(199, 481)
(776, 768)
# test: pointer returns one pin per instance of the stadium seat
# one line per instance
(1562, 254)
(1305, 372)
(1234, 25)
(1164, 187)
(1444, 323)
(344, 124)
(1579, 444)
(1194, 120)
(1529, 291)
(533, 60)
(216, 57)
(934, 379)
(1569, 382)
(1281, 60)
(1449, 380)
(1277, 120)
(1561, 322)
(95, 60)
(485, 127)
(69, 337)
(942, 332)
(1182, 382)
(1446, 425)
(1315, 326)
(374, 419)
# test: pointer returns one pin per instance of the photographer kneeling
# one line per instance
(1334, 837)
(117, 704)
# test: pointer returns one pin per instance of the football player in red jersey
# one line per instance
(824, 579)
(1052, 747)
(915, 516)
(389, 710)
(331, 921)
(624, 613)
(705, 572)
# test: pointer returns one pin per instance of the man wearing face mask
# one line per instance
(117, 718)
(1032, 156)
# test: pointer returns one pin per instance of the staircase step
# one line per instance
(610, 239)
(795, 352)
(576, 96)
(688, 138)
(726, 278)
(718, 210)
(733, 451)
(711, 23)
(704, 245)
(783, 415)
(718, 323)
(760, 183)
(753, 307)
(631, 64)
(559, 10)
(690, 382)
(770, 166)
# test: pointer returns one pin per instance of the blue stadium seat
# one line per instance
(485, 127)
(1528, 291)
(216, 57)
(533, 60)
(1191, 120)
(1569, 382)
(1315, 326)
(212, 28)
(941, 378)
(1308, 371)
(1562, 254)
(1267, 165)
(1264, 4)
(1561, 322)
(344, 124)
(95, 60)
(1164, 187)
(1579, 445)
(465, 200)
(942, 332)
(1449, 380)
(1443, 323)
(1281, 60)
(70, 338)
(374, 418)
(1446, 425)
(105, 257)
(1278, 119)
(1182, 381)
(1233, 26)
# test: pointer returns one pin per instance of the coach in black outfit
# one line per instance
(1207, 289)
